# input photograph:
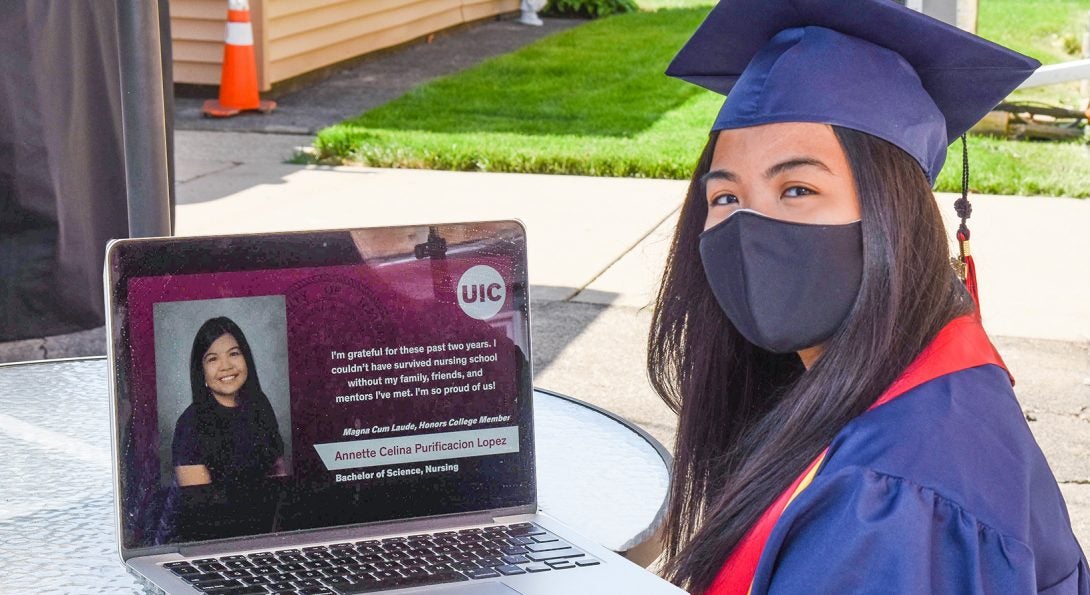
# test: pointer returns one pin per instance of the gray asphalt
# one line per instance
(348, 90)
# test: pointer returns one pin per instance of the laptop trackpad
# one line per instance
(477, 589)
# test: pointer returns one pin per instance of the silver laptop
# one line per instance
(335, 412)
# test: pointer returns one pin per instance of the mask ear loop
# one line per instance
(965, 266)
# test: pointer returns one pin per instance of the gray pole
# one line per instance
(143, 118)
(944, 10)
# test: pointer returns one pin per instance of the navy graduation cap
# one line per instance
(870, 65)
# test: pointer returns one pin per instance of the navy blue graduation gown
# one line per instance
(942, 490)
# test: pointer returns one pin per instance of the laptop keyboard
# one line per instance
(383, 564)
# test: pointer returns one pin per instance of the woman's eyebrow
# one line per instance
(779, 168)
(718, 174)
(790, 164)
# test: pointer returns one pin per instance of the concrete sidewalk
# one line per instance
(597, 246)
(603, 240)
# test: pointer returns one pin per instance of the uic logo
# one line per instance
(481, 292)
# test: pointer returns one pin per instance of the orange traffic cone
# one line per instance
(238, 83)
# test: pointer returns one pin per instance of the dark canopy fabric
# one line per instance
(62, 163)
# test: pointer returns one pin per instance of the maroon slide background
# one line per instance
(342, 308)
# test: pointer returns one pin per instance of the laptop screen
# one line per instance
(287, 382)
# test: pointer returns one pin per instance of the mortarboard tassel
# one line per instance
(968, 268)
(965, 266)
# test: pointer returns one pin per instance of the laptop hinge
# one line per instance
(513, 515)
(514, 518)
(357, 533)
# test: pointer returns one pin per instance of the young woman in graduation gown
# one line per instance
(845, 425)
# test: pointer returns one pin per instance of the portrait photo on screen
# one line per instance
(221, 376)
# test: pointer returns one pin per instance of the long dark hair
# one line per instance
(750, 421)
(253, 405)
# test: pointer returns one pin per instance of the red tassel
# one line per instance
(969, 268)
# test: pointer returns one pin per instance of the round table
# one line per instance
(57, 515)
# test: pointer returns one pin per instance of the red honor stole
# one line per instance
(960, 345)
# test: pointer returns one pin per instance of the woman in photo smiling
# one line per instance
(845, 425)
(228, 435)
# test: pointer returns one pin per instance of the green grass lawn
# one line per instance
(593, 100)
(589, 100)
(1049, 30)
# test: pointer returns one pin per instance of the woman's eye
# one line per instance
(724, 199)
(797, 191)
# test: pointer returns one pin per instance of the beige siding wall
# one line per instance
(479, 9)
(293, 37)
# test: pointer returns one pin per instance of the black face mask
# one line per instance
(785, 286)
